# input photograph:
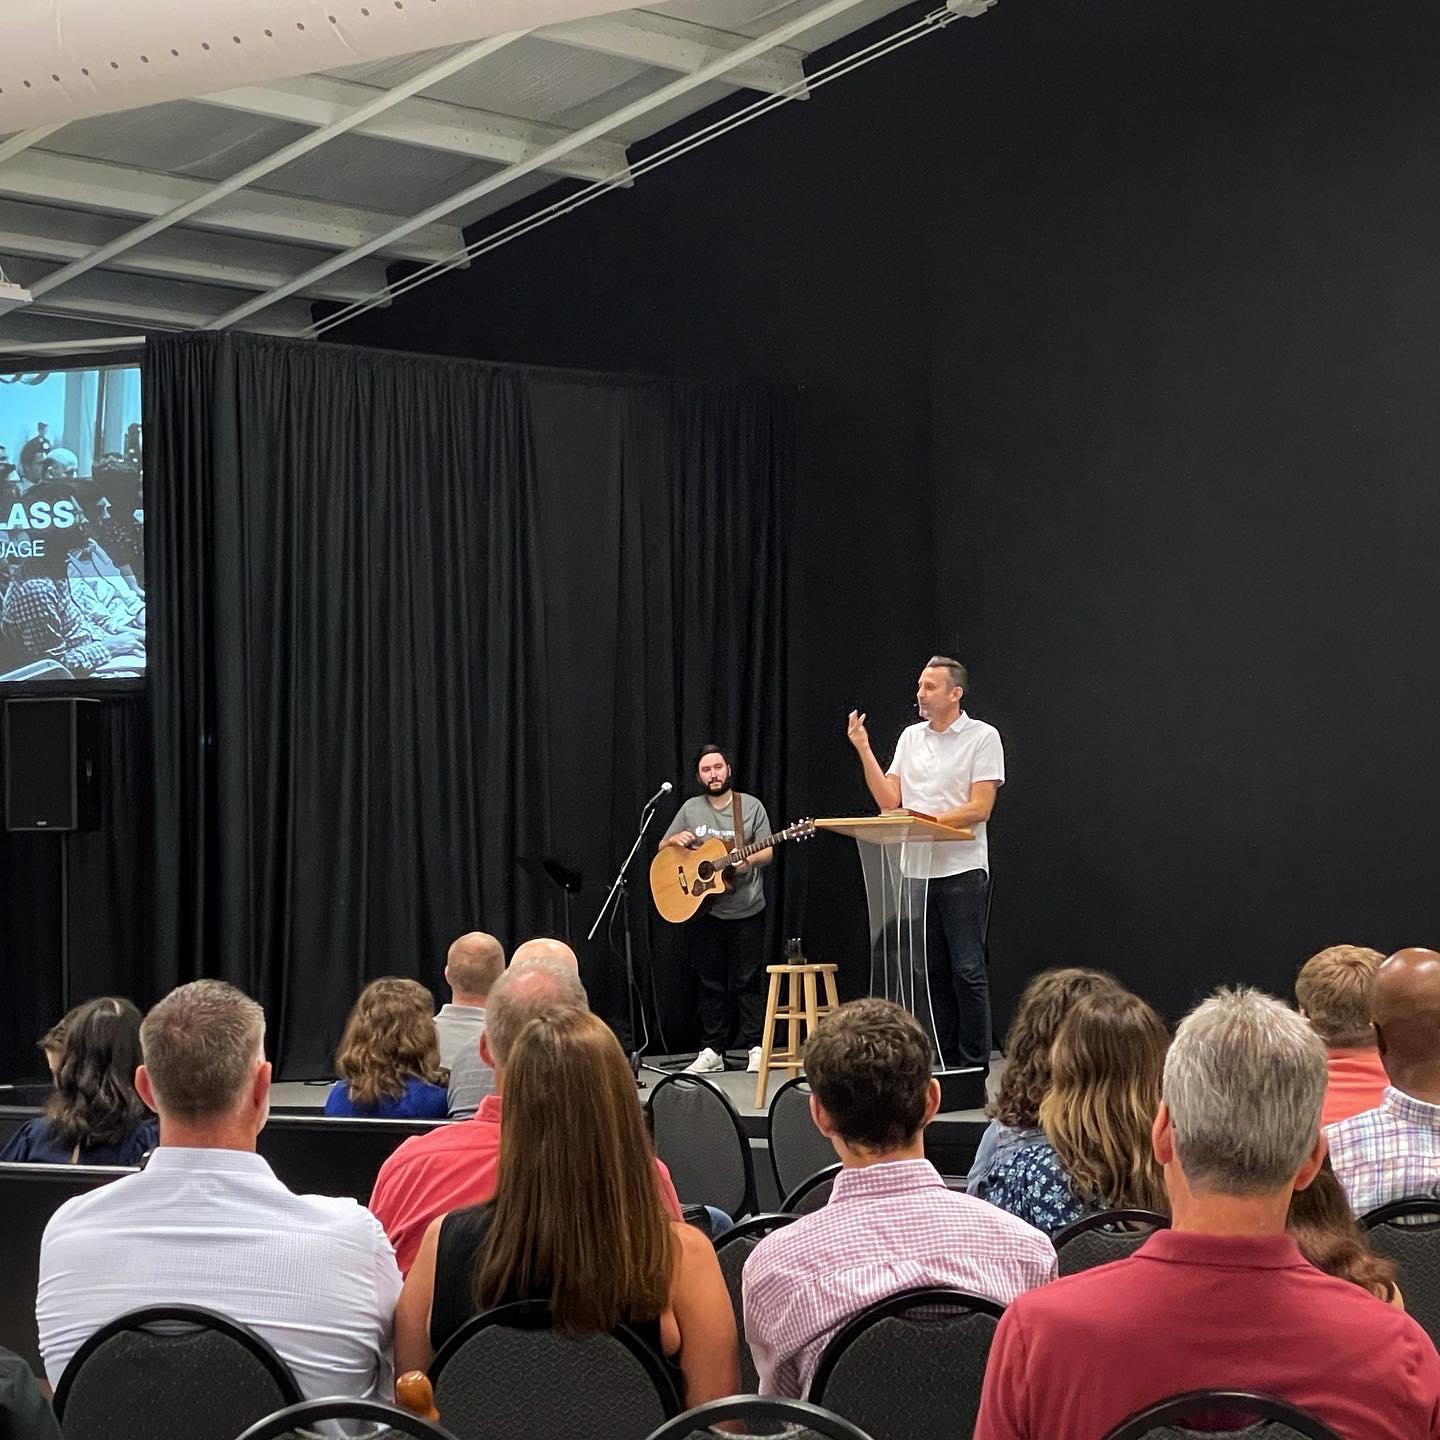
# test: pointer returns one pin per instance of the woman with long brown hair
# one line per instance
(576, 1221)
(389, 1056)
(1324, 1227)
(1015, 1111)
(1106, 1066)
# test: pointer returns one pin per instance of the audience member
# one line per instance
(471, 1079)
(574, 1130)
(472, 966)
(1105, 1084)
(1223, 1298)
(1393, 1151)
(455, 1165)
(95, 1116)
(1015, 1111)
(389, 1056)
(25, 1413)
(1324, 1227)
(1333, 992)
(891, 1223)
(207, 1223)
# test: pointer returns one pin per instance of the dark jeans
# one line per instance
(959, 972)
(726, 955)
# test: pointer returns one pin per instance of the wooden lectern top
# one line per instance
(894, 827)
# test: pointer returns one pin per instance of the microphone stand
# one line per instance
(620, 886)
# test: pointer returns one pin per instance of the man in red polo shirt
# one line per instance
(1223, 1299)
(455, 1165)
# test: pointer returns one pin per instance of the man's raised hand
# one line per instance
(856, 732)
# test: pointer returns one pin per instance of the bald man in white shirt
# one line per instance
(207, 1223)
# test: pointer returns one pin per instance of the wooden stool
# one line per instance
(802, 1007)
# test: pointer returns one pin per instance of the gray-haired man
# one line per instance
(1224, 1298)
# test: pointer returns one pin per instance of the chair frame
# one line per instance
(1399, 1209)
(261, 1349)
(686, 1077)
(892, 1306)
(807, 1185)
(758, 1407)
(1262, 1407)
(535, 1315)
(292, 1417)
(794, 1082)
(754, 1225)
(1100, 1218)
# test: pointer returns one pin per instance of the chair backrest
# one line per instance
(508, 1373)
(171, 1370)
(699, 1136)
(937, 1339)
(1408, 1232)
(794, 1419)
(1274, 1419)
(12, 1117)
(732, 1250)
(812, 1193)
(797, 1148)
(29, 1196)
(315, 1154)
(297, 1422)
(1105, 1236)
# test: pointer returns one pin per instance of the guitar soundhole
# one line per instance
(705, 869)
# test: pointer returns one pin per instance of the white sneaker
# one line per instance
(705, 1063)
(754, 1066)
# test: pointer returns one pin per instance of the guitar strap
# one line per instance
(736, 820)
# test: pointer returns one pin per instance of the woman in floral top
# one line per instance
(1106, 1065)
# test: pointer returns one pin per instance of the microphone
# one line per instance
(665, 788)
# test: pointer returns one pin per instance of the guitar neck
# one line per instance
(747, 851)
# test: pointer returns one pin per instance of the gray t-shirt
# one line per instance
(699, 815)
(471, 1080)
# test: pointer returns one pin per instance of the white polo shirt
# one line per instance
(313, 1275)
(936, 769)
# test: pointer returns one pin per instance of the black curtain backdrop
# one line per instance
(416, 621)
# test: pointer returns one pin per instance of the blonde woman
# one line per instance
(389, 1056)
(1105, 1068)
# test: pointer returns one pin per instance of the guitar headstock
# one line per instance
(801, 829)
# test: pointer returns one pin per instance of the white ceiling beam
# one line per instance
(92, 185)
(44, 233)
(24, 139)
(682, 46)
(424, 124)
(716, 70)
(217, 192)
(150, 304)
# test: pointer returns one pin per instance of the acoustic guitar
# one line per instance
(683, 879)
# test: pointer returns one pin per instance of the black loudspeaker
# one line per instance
(52, 764)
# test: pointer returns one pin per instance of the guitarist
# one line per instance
(726, 940)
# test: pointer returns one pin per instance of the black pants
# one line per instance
(726, 955)
(959, 974)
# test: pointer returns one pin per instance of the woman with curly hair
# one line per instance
(1324, 1227)
(389, 1056)
(94, 1117)
(1015, 1111)
(1105, 1071)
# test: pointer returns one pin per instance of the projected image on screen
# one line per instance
(72, 512)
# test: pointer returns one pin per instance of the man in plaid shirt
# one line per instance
(1393, 1151)
(891, 1223)
(44, 616)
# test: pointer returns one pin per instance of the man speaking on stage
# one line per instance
(948, 766)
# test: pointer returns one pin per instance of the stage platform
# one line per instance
(949, 1142)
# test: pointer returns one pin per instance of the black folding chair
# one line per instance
(509, 1375)
(171, 1370)
(794, 1419)
(1408, 1232)
(934, 1340)
(1105, 1236)
(699, 1136)
(812, 1193)
(1274, 1419)
(732, 1250)
(797, 1148)
(297, 1422)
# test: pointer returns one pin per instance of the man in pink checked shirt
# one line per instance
(891, 1223)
